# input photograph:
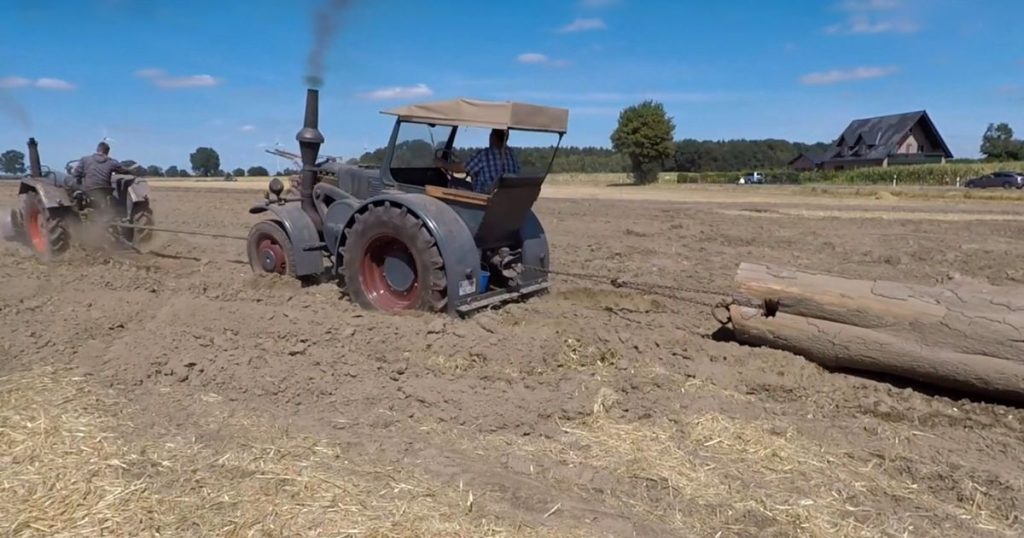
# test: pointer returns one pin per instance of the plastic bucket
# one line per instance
(483, 282)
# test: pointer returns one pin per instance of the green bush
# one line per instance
(921, 174)
(707, 177)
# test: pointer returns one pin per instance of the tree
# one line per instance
(998, 144)
(257, 171)
(644, 134)
(184, 173)
(238, 172)
(12, 162)
(288, 172)
(205, 162)
(154, 171)
(172, 171)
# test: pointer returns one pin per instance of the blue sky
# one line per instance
(160, 78)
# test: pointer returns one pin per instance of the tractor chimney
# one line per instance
(310, 139)
(33, 158)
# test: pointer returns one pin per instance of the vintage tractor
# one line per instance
(398, 236)
(51, 208)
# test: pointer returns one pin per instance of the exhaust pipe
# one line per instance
(33, 158)
(310, 139)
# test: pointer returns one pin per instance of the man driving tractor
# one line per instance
(489, 164)
(94, 174)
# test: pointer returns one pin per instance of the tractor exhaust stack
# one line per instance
(310, 139)
(35, 167)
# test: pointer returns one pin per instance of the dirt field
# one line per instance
(176, 393)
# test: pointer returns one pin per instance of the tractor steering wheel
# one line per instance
(440, 154)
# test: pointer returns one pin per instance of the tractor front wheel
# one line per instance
(270, 250)
(392, 263)
(46, 233)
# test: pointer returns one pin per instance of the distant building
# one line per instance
(805, 162)
(909, 138)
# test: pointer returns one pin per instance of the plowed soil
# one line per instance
(593, 410)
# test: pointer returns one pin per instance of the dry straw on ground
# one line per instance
(719, 476)
(70, 467)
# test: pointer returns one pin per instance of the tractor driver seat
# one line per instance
(507, 208)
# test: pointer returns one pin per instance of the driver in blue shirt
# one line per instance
(486, 166)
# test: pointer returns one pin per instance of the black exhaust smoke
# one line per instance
(310, 139)
(34, 166)
(325, 26)
(11, 107)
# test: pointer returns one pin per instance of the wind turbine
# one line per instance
(277, 158)
(105, 138)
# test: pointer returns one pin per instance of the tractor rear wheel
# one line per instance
(141, 217)
(270, 250)
(392, 263)
(45, 232)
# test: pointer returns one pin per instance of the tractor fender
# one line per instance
(454, 240)
(137, 196)
(138, 192)
(535, 248)
(336, 220)
(52, 195)
(302, 233)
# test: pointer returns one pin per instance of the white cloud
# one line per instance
(193, 81)
(160, 79)
(583, 25)
(150, 73)
(247, 128)
(537, 58)
(846, 75)
(864, 25)
(593, 4)
(870, 5)
(44, 83)
(14, 82)
(54, 84)
(400, 92)
(532, 58)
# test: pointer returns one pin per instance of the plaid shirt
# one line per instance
(488, 165)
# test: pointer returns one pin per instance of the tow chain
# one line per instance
(180, 232)
(650, 288)
(719, 308)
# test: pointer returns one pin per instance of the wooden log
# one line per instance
(964, 336)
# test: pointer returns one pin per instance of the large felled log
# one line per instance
(965, 336)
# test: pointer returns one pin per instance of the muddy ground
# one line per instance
(590, 411)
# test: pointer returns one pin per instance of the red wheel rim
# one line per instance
(388, 274)
(34, 228)
(271, 256)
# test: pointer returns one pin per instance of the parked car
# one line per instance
(1006, 180)
(752, 178)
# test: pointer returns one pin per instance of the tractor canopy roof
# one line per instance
(490, 114)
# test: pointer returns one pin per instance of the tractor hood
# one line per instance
(488, 114)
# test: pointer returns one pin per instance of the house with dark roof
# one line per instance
(805, 162)
(909, 138)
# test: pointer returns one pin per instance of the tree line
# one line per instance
(204, 162)
(643, 144)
